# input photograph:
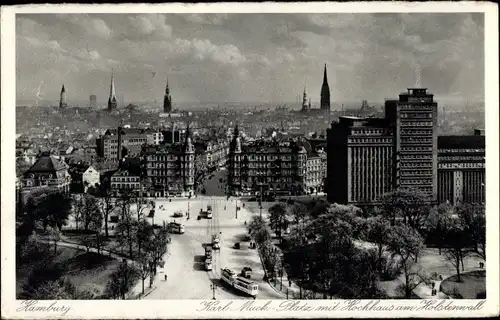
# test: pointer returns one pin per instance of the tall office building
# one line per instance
(360, 160)
(325, 93)
(167, 101)
(414, 119)
(112, 101)
(62, 101)
(93, 101)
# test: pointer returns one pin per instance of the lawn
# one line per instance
(85, 270)
(473, 282)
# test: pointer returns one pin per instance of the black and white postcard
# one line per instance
(252, 160)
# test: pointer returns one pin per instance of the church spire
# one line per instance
(167, 100)
(62, 100)
(112, 102)
(325, 92)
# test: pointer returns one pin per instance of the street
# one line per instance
(184, 265)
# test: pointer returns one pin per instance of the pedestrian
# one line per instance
(289, 283)
(165, 277)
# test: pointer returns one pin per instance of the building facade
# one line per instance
(414, 119)
(368, 157)
(168, 169)
(125, 181)
(273, 167)
(116, 143)
(360, 160)
(48, 173)
(461, 169)
(315, 172)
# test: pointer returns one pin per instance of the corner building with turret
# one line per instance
(271, 166)
(168, 168)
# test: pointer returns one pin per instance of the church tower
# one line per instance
(112, 102)
(304, 101)
(62, 101)
(325, 93)
(167, 101)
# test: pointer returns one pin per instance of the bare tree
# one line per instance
(439, 221)
(107, 206)
(457, 238)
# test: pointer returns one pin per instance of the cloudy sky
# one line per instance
(249, 57)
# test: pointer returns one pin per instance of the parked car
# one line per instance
(236, 245)
(246, 272)
(178, 214)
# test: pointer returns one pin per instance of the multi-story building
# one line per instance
(83, 177)
(368, 157)
(461, 169)
(168, 168)
(273, 167)
(360, 160)
(48, 173)
(125, 181)
(414, 119)
(116, 143)
(315, 171)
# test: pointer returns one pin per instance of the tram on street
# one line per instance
(175, 227)
(239, 283)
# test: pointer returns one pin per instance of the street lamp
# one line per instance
(213, 287)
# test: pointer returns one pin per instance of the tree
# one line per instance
(126, 227)
(405, 244)
(256, 223)
(54, 210)
(144, 262)
(87, 210)
(54, 235)
(377, 231)
(439, 221)
(107, 205)
(472, 217)
(122, 280)
(457, 237)
(278, 218)
(155, 248)
(410, 204)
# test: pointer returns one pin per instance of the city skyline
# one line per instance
(207, 57)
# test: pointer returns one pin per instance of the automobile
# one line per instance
(236, 245)
(178, 214)
(216, 246)
(246, 272)
(208, 264)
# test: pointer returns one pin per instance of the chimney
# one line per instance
(119, 143)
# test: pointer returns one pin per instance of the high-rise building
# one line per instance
(167, 100)
(414, 119)
(325, 93)
(112, 101)
(93, 101)
(368, 157)
(360, 160)
(62, 101)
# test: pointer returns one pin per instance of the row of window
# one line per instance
(415, 132)
(420, 115)
(415, 181)
(408, 173)
(416, 124)
(461, 165)
(415, 140)
(372, 140)
(366, 132)
(462, 158)
(461, 150)
(416, 148)
(169, 158)
(125, 185)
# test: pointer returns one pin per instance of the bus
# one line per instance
(175, 227)
(228, 276)
(247, 286)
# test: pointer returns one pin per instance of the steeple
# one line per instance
(325, 92)
(167, 100)
(62, 100)
(112, 102)
(304, 100)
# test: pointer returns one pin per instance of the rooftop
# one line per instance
(461, 142)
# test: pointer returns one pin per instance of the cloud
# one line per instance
(147, 25)
(207, 19)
